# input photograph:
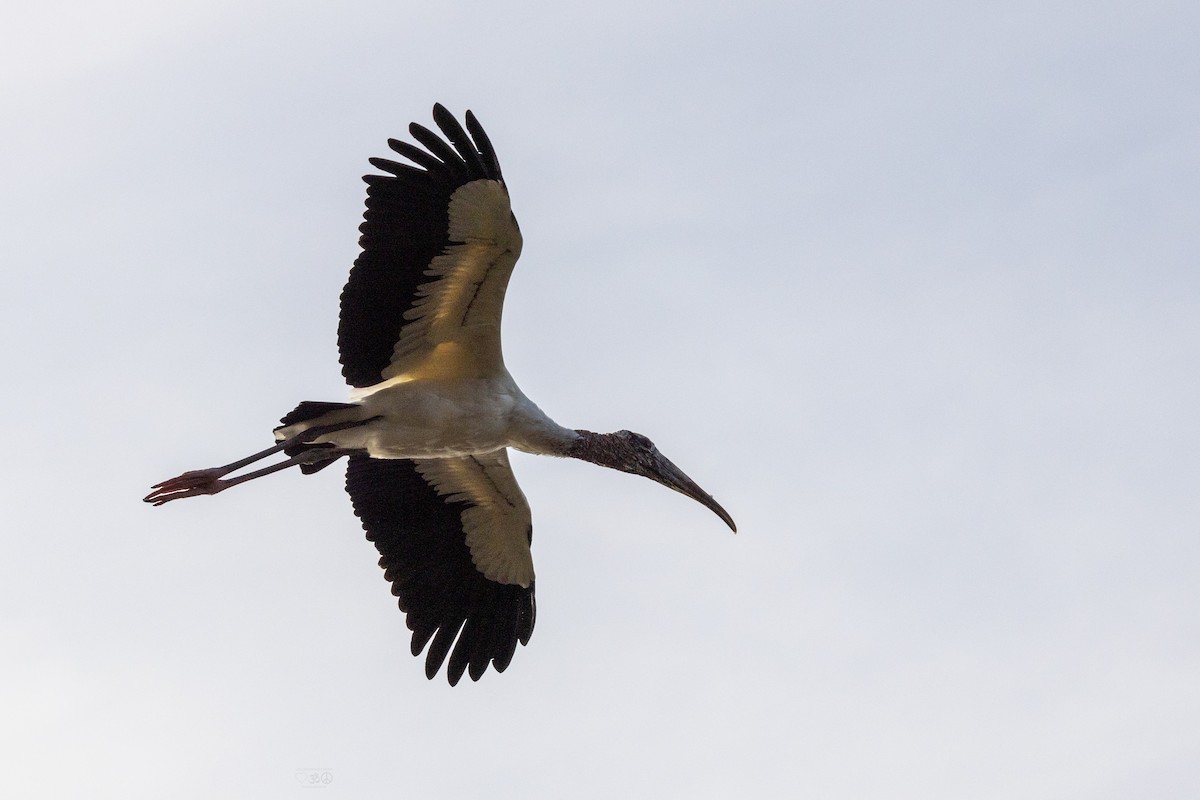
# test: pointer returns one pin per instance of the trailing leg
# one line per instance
(210, 481)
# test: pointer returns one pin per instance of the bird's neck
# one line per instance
(531, 431)
(598, 448)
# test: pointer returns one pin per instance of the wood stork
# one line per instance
(433, 408)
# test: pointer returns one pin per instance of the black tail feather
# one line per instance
(310, 409)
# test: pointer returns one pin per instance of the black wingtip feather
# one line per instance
(430, 163)
(484, 144)
(464, 651)
(440, 149)
(421, 637)
(458, 137)
(439, 648)
(527, 617)
(393, 167)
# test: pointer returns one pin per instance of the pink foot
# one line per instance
(189, 484)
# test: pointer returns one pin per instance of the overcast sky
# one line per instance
(911, 288)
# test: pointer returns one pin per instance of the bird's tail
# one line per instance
(307, 410)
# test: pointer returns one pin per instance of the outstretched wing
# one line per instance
(439, 243)
(453, 537)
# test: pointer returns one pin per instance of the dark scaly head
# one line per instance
(633, 453)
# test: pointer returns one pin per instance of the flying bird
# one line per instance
(433, 409)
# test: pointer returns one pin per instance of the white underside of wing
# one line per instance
(497, 523)
(453, 327)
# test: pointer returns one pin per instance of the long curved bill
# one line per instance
(673, 477)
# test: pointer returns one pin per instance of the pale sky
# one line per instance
(911, 288)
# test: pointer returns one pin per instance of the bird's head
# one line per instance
(634, 453)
